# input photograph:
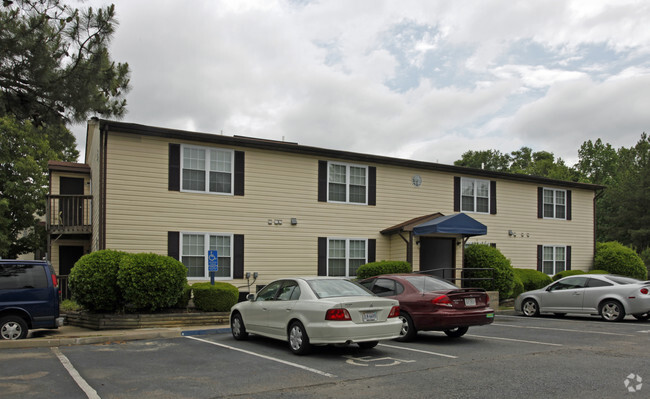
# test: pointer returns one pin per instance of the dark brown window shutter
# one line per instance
(322, 256)
(173, 249)
(372, 186)
(456, 194)
(238, 262)
(568, 204)
(493, 197)
(239, 173)
(540, 202)
(174, 176)
(322, 181)
(372, 250)
(540, 250)
(568, 257)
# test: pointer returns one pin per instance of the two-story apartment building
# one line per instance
(281, 209)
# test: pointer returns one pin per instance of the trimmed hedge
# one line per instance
(184, 298)
(518, 288)
(93, 281)
(219, 297)
(533, 279)
(484, 256)
(384, 267)
(151, 282)
(616, 258)
(567, 273)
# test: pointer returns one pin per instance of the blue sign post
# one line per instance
(213, 264)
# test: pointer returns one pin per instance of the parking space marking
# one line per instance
(88, 390)
(515, 340)
(563, 329)
(300, 366)
(418, 350)
(367, 359)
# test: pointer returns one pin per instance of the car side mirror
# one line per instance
(250, 297)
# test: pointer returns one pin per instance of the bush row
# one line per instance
(384, 267)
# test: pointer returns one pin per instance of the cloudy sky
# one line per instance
(424, 80)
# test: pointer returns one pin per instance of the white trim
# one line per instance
(475, 196)
(555, 204)
(206, 246)
(554, 260)
(207, 170)
(347, 182)
(347, 253)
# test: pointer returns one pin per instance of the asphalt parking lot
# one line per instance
(514, 357)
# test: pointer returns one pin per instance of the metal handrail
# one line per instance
(462, 270)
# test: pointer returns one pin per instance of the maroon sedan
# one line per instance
(427, 303)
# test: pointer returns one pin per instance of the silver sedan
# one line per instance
(317, 310)
(610, 296)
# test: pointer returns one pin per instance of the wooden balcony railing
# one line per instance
(69, 214)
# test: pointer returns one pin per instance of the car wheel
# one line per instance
(612, 310)
(237, 327)
(408, 331)
(298, 339)
(642, 316)
(13, 327)
(530, 308)
(456, 332)
(368, 345)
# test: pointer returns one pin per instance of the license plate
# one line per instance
(470, 301)
(490, 315)
(369, 316)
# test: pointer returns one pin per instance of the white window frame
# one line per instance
(347, 182)
(555, 259)
(474, 195)
(206, 247)
(207, 169)
(554, 203)
(347, 253)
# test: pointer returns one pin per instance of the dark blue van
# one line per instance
(29, 297)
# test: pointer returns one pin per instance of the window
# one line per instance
(347, 183)
(194, 251)
(570, 283)
(344, 256)
(554, 204)
(17, 277)
(269, 292)
(207, 170)
(475, 195)
(553, 260)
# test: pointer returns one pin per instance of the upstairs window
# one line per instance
(347, 183)
(475, 195)
(554, 203)
(207, 170)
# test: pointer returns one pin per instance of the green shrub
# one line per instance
(567, 273)
(598, 272)
(616, 258)
(645, 256)
(518, 288)
(219, 297)
(68, 305)
(383, 267)
(151, 282)
(484, 256)
(533, 279)
(93, 281)
(184, 298)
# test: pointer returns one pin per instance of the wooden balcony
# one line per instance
(69, 214)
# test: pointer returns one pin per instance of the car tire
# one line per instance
(612, 310)
(642, 316)
(456, 332)
(368, 345)
(298, 339)
(408, 331)
(237, 327)
(13, 327)
(530, 308)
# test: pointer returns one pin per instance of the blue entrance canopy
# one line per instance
(459, 223)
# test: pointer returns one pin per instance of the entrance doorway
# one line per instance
(437, 254)
(68, 256)
(71, 208)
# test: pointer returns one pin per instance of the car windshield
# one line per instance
(623, 280)
(428, 283)
(332, 288)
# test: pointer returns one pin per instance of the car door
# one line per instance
(565, 296)
(596, 289)
(256, 317)
(279, 310)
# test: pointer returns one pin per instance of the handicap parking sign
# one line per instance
(213, 261)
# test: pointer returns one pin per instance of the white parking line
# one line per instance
(515, 340)
(265, 357)
(418, 350)
(563, 329)
(88, 390)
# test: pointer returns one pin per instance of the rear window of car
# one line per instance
(333, 288)
(13, 277)
(427, 283)
(623, 280)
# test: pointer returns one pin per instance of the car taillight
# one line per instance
(442, 300)
(644, 291)
(55, 282)
(337, 315)
(487, 300)
(394, 312)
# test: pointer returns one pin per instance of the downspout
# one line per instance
(102, 212)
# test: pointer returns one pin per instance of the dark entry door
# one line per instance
(437, 254)
(68, 256)
(71, 209)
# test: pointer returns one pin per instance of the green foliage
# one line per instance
(69, 305)
(518, 287)
(488, 160)
(184, 298)
(479, 256)
(93, 281)
(598, 272)
(219, 297)
(645, 256)
(567, 273)
(616, 258)
(383, 267)
(532, 279)
(151, 281)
